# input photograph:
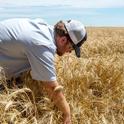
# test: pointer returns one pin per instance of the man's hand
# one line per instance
(67, 119)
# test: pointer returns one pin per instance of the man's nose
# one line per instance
(70, 50)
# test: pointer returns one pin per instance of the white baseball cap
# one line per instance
(77, 34)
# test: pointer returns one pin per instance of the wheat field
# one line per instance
(93, 85)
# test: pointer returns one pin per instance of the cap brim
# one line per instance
(77, 51)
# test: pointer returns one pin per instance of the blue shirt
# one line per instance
(27, 44)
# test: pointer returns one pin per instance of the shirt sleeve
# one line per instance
(41, 59)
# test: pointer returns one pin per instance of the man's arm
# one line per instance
(58, 99)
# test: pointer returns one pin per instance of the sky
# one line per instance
(90, 12)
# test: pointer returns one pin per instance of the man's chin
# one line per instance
(59, 54)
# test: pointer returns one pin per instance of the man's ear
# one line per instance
(63, 40)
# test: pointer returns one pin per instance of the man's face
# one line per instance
(63, 46)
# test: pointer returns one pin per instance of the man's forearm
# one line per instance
(60, 101)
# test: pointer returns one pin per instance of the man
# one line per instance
(31, 44)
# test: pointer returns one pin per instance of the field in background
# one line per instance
(93, 85)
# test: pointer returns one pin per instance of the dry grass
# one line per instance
(93, 85)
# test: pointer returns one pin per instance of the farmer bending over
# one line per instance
(27, 44)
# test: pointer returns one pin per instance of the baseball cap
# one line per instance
(77, 34)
